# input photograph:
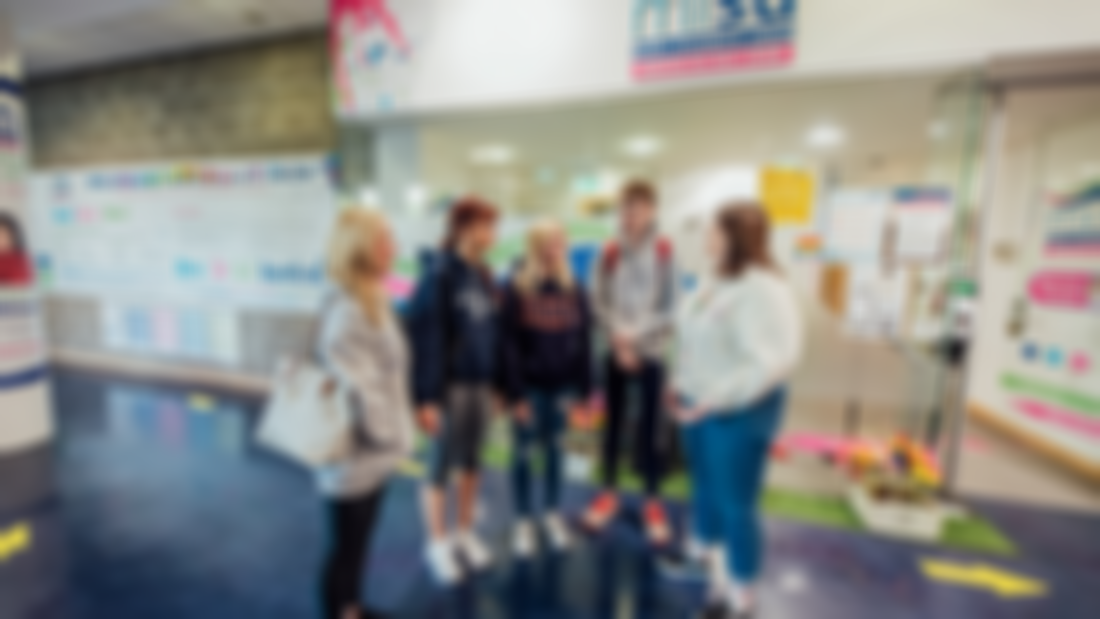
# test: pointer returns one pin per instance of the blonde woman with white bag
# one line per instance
(361, 345)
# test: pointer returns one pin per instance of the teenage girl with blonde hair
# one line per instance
(546, 338)
(362, 347)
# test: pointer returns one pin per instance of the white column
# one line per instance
(25, 419)
(397, 169)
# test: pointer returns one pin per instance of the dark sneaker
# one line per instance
(715, 610)
(676, 564)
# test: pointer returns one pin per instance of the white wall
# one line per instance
(477, 53)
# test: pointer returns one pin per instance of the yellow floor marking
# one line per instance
(977, 576)
(201, 403)
(15, 540)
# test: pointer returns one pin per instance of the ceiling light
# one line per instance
(826, 136)
(492, 154)
(938, 130)
(642, 146)
(415, 197)
(368, 196)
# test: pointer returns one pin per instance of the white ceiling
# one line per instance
(64, 35)
(887, 123)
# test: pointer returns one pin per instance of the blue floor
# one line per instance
(163, 509)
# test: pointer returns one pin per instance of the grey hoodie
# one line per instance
(637, 298)
(372, 363)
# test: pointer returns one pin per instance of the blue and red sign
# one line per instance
(1073, 227)
(9, 128)
(696, 37)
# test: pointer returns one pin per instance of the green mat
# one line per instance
(968, 533)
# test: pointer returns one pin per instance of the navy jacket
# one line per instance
(546, 341)
(452, 324)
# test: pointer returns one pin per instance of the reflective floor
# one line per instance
(163, 509)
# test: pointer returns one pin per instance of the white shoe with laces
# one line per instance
(558, 532)
(696, 550)
(442, 563)
(523, 539)
(474, 550)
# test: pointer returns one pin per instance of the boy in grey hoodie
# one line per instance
(634, 289)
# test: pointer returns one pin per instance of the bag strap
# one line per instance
(327, 304)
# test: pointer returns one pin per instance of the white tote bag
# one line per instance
(308, 418)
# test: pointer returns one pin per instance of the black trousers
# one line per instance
(351, 524)
(650, 436)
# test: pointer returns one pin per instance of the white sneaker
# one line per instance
(474, 550)
(523, 539)
(557, 531)
(442, 563)
(696, 550)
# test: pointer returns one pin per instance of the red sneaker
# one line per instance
(657, 528)
(601, 511)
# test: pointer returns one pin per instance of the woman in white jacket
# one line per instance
(739, 339)
(362, 346)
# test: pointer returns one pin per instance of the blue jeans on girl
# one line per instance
(542, 436)
(728, 458)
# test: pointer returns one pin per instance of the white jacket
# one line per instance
(737, 340)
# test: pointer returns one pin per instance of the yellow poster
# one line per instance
(788, 195)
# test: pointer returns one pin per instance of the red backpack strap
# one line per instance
(609, 259)
(664, 251)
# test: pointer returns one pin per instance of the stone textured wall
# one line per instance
(263, 98)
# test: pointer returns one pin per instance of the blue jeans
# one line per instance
(543, 434)
(728, 458)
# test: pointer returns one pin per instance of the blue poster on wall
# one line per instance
(675, 39)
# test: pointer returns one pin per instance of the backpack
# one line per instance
(609, 259)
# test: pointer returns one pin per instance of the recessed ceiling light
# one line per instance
(368, 196)
(416, 196)
(492, 154)
(938, 130)
(642, 146)
(826, 135)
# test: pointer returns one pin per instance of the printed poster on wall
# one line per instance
(700, 37)
(24, 391)
(922, 221)
(1073, 223)
(855, 225)
(789, 195)
(1052, 382)
(197, 333)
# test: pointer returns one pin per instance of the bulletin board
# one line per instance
(892, 242)
(1052, 381)
(243, 234)
(174, 252)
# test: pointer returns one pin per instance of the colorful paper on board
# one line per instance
(788, 195)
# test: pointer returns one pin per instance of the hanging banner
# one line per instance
(24, 398)
(372, 55)
(698, 37)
